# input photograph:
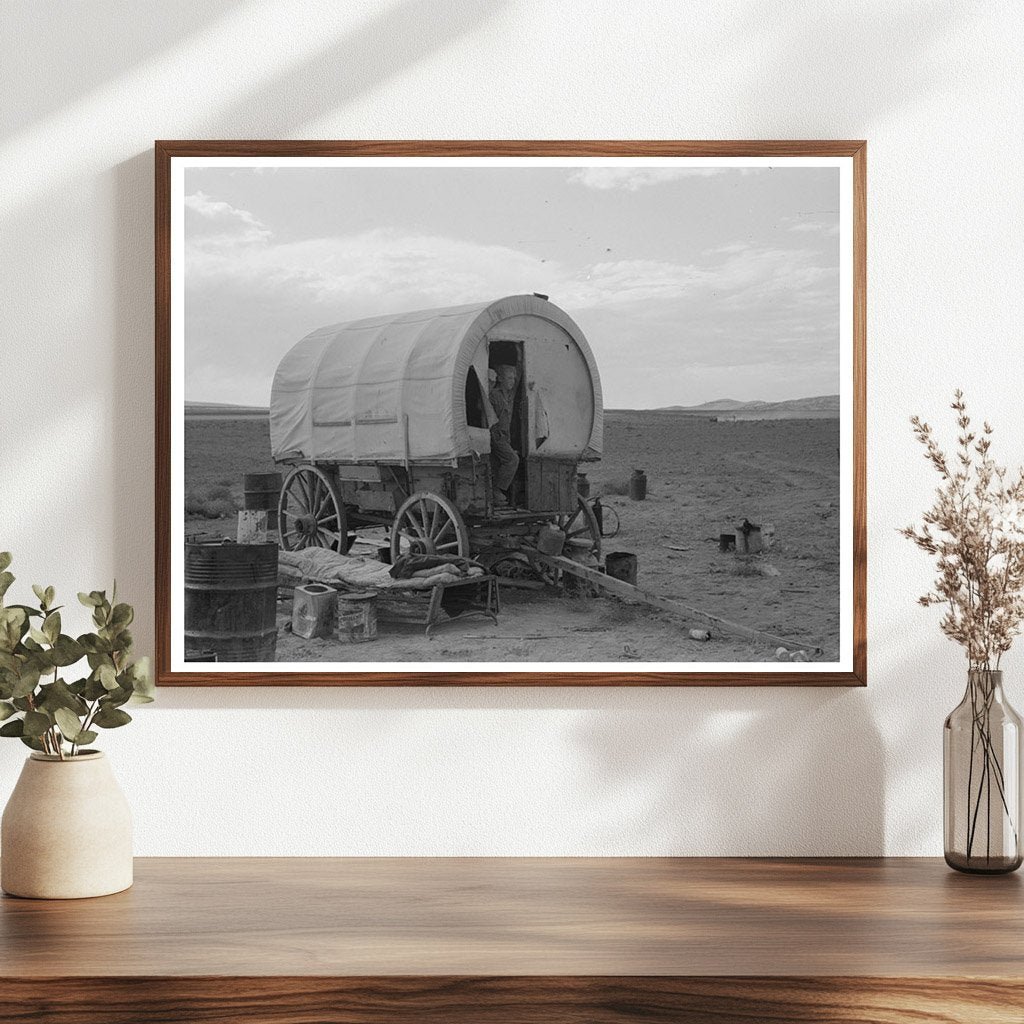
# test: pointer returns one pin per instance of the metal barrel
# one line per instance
(231, 601)
(621, 565)
(261, 493)
(357, 617)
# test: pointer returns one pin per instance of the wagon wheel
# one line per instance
(428, 524)
(310, 512)
(581, 528)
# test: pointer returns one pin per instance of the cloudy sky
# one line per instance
(690, 284)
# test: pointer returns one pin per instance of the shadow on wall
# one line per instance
(740, 772)
(694, 771)
(851, 44)
(394, 39)
(57, 39)
(408, 33)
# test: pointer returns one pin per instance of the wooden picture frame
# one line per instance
(171, 158)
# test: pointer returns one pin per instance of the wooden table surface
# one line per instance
(502, 939)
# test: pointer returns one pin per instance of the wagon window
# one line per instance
(475, 414)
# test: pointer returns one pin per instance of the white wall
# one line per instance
(937, 90)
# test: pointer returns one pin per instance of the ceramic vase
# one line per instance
(66, 831)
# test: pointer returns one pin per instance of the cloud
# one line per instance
(757, 310)
(809, 227)
(631, 179)
(371, 272)
(232, 223)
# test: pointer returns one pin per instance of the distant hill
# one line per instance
(224, 409)
(819, 404)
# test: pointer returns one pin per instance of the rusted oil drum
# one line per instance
(262, 491)
(357, 617)
(231, 601)
(621, 565)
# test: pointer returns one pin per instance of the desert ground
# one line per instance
(705, 476)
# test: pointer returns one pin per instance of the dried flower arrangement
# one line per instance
(976, 530)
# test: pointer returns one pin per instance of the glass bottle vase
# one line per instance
(981, 773)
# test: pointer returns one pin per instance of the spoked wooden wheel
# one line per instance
(428, 524)
(581, 530)
(310, 512)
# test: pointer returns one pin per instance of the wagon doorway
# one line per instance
(500, 356)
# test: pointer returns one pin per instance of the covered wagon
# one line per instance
(385, 423)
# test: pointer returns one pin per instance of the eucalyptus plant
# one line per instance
(37, 704)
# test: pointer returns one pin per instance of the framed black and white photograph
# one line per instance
(547, 413)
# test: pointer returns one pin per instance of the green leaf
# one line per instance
(94, 644)
(51, 626)
(36, 723)
(40, 593)
(50, 595)
(122, 616)
(13, 624)
(86, 736)
(59, 695)
(107, 718)
(38, 635)
(6, 579)
(89, 600)
(94, 689)
(107, 676)
(31, 741)
(28, 610)
(6, 710)
(115, 698)
(5, 559)
(27, 681)
(69, 724)
(67, 651)
(13, 728)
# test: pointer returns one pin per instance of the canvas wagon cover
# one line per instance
(393, 387)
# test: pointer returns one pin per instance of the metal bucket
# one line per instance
(262, 491)
(313, 608)
(231, 601)
(357, 617)
(621, 565)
